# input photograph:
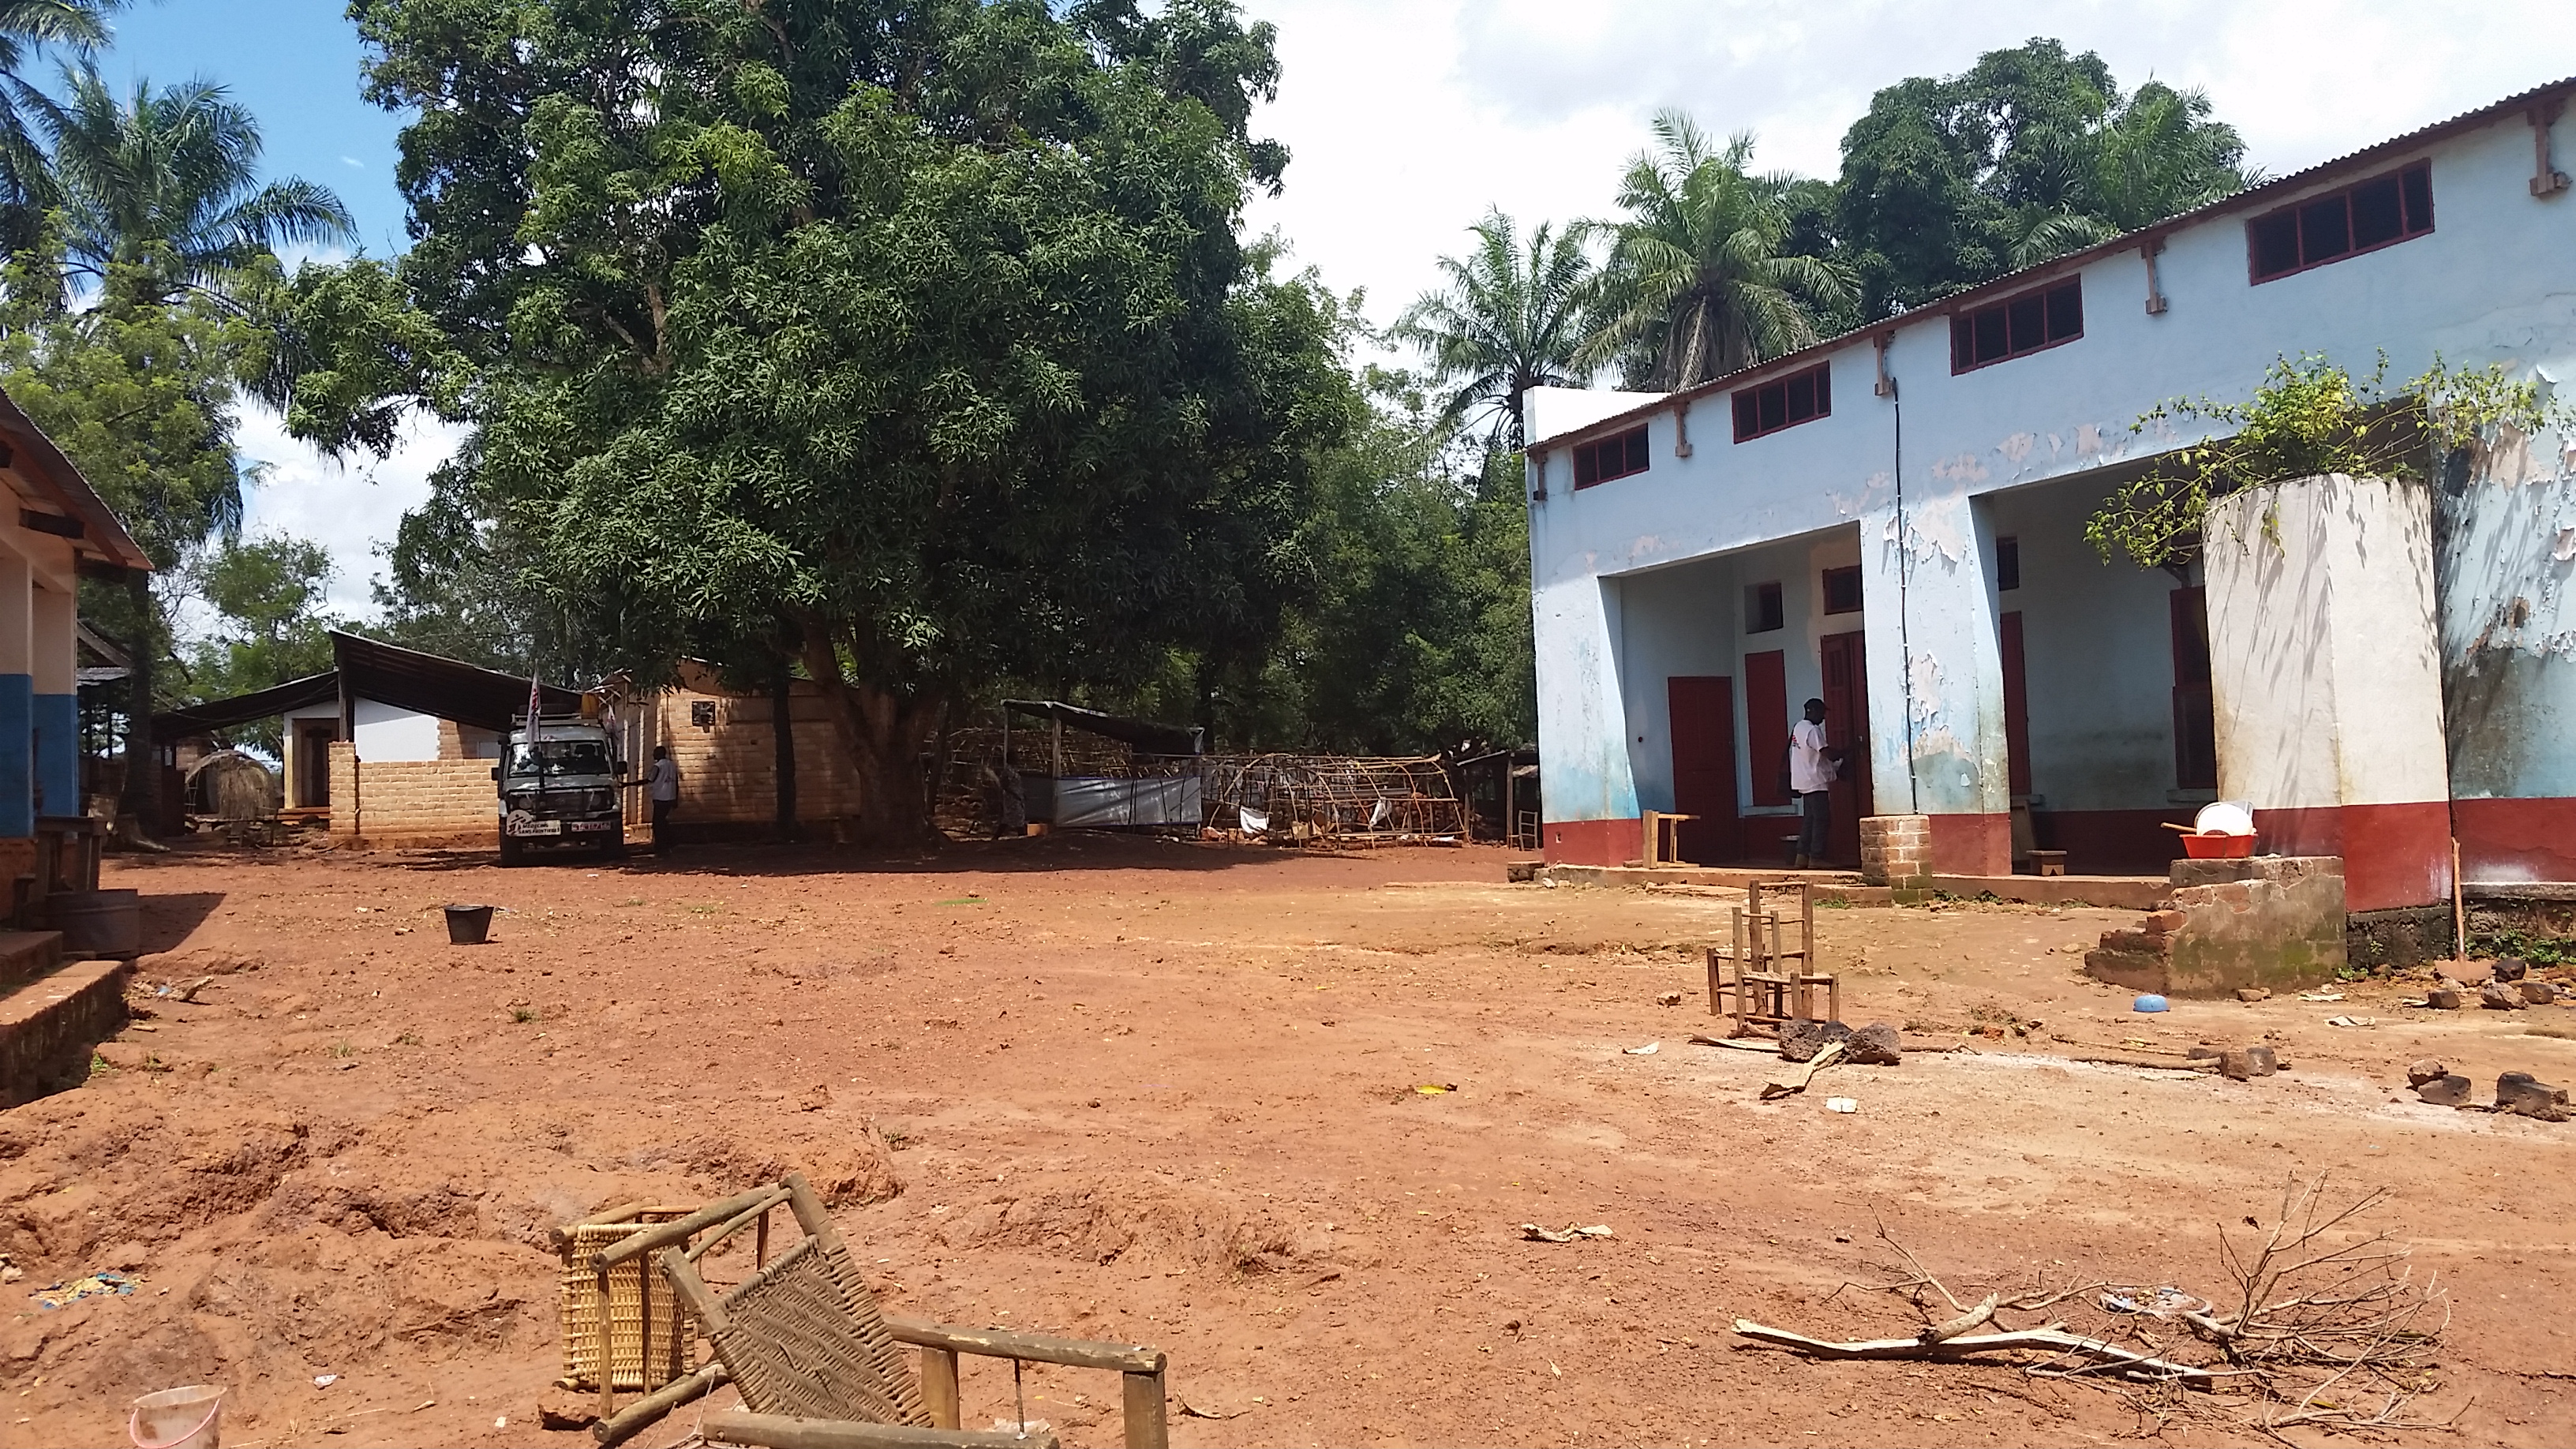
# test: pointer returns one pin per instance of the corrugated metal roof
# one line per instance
(430, 684)
(2250, 198)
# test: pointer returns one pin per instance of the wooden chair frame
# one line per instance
(1763, 981)
(1142, 1369)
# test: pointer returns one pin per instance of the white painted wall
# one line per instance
(387, 733)
(2323, 650)
(2493, 283)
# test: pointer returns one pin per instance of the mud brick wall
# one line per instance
(1895, 849)
(729, 767)
(410, 802)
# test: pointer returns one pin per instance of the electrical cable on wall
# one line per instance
(1904, 584)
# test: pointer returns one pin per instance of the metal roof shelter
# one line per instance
(1151, 736)
(429, 684)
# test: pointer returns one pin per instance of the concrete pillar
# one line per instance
(17, 699)
(1936, 683)
(56, 675)
(2326, 669)
(1590, 788)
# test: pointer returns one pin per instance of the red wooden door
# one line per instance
(1703, 714)
(2016, 707)
(2194, 707)
(1766, 725)
(1846, 696)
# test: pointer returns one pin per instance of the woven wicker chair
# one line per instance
(819, 1367)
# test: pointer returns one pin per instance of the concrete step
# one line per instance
(49, 1026)
(27, 955)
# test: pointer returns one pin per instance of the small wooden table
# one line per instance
(1664, 837)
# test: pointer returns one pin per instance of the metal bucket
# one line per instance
(468, 925)
(102, 923)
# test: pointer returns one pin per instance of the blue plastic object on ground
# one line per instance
(2150, 1002)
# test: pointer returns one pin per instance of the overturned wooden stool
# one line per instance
(1764, 979)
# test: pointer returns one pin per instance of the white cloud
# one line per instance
(1406, 120)
(351, 508)
(353, 163)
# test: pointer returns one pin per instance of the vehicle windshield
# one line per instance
(560, 757)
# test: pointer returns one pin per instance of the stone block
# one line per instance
(1801, 1039)
(1874, 1045)
(2496, 996)
(2510, 968)
(2275, 930)
(2428, 1069)
(2253, 993)
(2448, 1090)
(2538, 993)
(2445, 998)
(2522, 1095)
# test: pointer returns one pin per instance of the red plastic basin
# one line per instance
(2213, 846)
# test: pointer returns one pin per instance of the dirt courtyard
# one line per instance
(1167, 1093)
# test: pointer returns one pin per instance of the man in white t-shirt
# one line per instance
(1813, 764)
(662, 786)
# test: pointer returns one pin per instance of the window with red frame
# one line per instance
(1615, 456)
(2363, 217)
(1801, 397)
(2017, 326)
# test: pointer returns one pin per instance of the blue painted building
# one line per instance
(54, 530)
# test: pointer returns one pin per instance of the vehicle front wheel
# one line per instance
(512, 853)
(614, 848)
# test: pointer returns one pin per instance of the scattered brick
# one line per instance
(2444, 998)
(2496, 996)
(2523, 1095)
(2511, 968)
(1874, 1045)
(2429, 1069)
(2253, 993)
(2538, 993)
(2451, 1090)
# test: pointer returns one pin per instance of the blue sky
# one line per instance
(295, 64)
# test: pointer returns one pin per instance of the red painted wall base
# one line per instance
(2393, 855)
(1593, 842)
(1971, 844)
(2516, 841)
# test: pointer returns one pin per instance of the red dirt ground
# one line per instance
(1162, 1092)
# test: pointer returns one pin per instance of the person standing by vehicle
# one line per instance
(662, 786)
(1813, 766)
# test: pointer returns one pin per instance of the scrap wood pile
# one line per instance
(1333, 799)
(2322, 1325)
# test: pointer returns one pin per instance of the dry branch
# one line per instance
(2053, 1339)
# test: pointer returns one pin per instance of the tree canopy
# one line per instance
(918, 339)
(1949, 182)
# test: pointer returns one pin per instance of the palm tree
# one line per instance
(1508, 321)
(166, 185)
(26, 27)
(1697, 283)
(2154, 156)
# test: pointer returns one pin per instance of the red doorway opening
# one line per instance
(1846, 696)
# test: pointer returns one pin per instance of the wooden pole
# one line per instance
(939, 1387)
(2459, 908)
(1146, 1427)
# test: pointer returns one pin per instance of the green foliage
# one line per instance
(1510, 319)
(1419, 639)
(917, 339)
(2032, 153)
(1700, 282)
(271, 624)
(27, 186)
(2309, 418)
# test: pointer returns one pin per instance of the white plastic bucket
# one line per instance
(189, 1418)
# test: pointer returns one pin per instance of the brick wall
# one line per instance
(728, 769)
(1895, 849)
(410, 802)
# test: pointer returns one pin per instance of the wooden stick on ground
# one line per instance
(1832, 1053)
(2052, 1340)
